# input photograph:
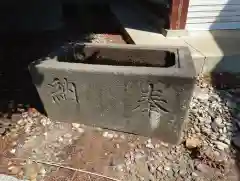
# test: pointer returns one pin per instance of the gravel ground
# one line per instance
(39, 148)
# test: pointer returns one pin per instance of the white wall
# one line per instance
(213, 14)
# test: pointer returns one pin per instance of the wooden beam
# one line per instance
(178, 14)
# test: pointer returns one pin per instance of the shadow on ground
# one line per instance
(19, 49)
(224, 82)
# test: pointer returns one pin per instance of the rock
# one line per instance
(13, 151)
(194, 174)
(220, 145)
(159, 168)
(2, 130)
(224, 130)
(75, 125)
(42, 171)
(227, 141)
(218, 121)
(151, 168)
(45, 121)
(206, 131)
(213, 136)
(14, 169)
(222, 138)
(24, 115)
(60, 139)
(214, 127)
(122, 136)
(67, 135)
(80, 130)
(167, 168)
(105, 134)
(149, 145)
(202, 96)
(193, 142)
(117, 146)
(203, 168)
(120, 168)
(21, 122)
(197, 129)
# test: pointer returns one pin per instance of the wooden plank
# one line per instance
(178, 15)
(213, 2)
(213, 14)
(213, 19)
(214, 26)
(214, 8)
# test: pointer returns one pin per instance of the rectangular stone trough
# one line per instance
(143, 90)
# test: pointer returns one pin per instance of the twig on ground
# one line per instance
(70, 168)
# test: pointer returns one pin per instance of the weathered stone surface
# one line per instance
(129, 88)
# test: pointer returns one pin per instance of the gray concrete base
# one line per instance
(212, 51)
(174, 33)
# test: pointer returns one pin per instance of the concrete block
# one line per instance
(119, 87)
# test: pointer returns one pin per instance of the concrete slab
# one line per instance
(136, 24)
(198, 59)
(222, 53)
(212, 51)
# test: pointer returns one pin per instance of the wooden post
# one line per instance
(178, 14)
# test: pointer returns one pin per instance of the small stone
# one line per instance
(159, 168)
(21, 122)
(2, 130)
(193, 142)
(213, 136)
(110, 135)
(151, 168)
(221, 138)
(67, 135)
(122, 136)
(80, 130)
(117, 146)
(219, 122)
(197, 129)
(13, 151)
(60, 139)
(214, 127)
(206, 131)
(149, 145)
(24, 114)
(42, 171)
(167, 168)
(194, 174)
(183, 172)
(205, 169)
(75, 125)
(14, 143)
(105, 134)
(164, 144)
(119, 168)
(45, 121)
(138, 156)
(115, 135)
(220, 145)
(224, 130)
(227, 141)
(14, 169)
(149, 141)
(202, 95)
